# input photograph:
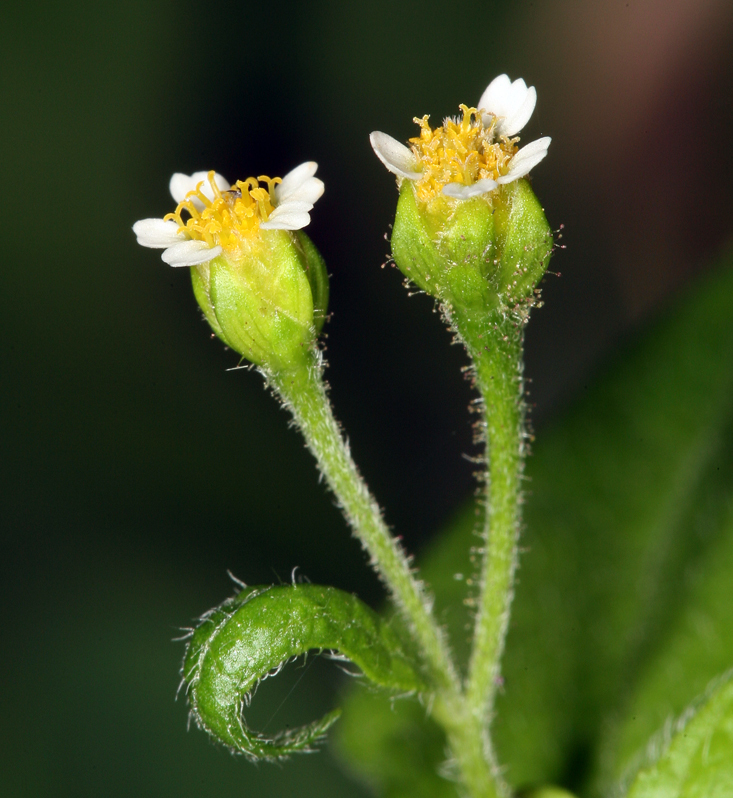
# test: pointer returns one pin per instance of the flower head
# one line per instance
(213, 217)
(467, 229)
(469, 156)
(258, 278)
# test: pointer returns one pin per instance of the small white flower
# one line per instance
(217, 221)
(486, 157)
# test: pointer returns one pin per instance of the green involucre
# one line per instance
(270, 304)
(254, 633)
(480, 253)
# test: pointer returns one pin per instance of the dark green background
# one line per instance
(136, 469)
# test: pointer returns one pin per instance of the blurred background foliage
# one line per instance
(137, 469)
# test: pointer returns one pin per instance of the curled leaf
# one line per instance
(253, 634)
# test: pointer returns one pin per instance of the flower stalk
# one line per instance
(495, 348)
(463, 712)
(303, 392)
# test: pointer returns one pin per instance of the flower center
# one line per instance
(232, 217)
(460, 151)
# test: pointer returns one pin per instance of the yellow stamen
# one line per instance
(233, 217)
(460, 151)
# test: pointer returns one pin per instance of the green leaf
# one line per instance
(697, 641)
(697, 762)
(250, 636)
(621, 614)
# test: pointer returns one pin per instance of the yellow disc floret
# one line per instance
(232, 217)
(460, 151)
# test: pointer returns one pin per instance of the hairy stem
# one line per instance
(495, 346)
(304, 394)
(469, 744)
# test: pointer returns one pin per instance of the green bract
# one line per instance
(270, 303)
(489, 251)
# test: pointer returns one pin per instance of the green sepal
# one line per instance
(254, 633)
(487, 252)
(268, 304)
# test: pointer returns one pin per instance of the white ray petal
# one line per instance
(526, 159)
(181, 184)
(309, 191)
(459, 191)
(190, 253)
(512, 104)
(395, 156)
(295, 179)
(520, 115)
(157, 234)
(290, 207)
(495, 93)
(287, 221)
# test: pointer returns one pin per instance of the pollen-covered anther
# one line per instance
(228, 218)
(463, 151)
